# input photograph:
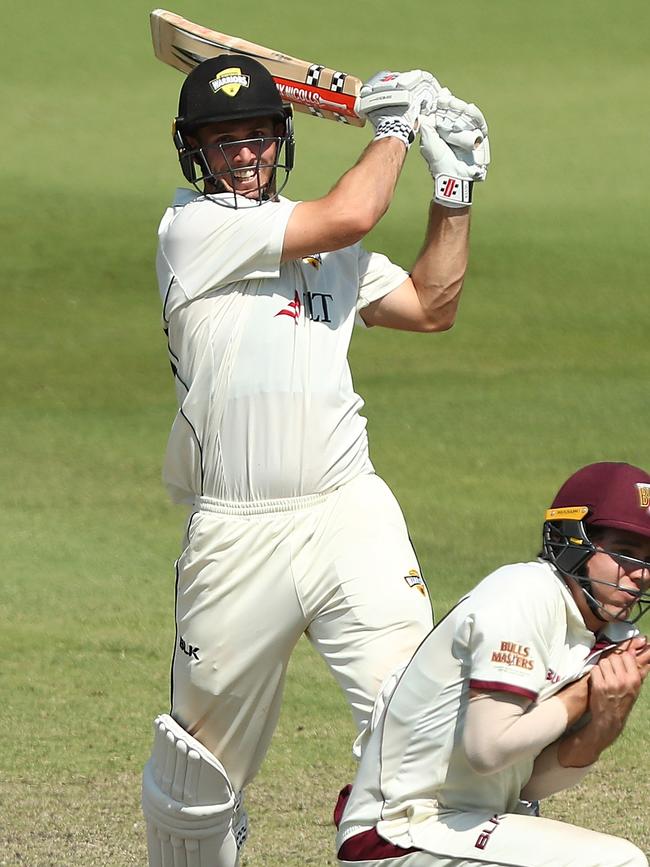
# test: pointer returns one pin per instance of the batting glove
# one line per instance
(454, 167)
(393, 102)
(455, 116)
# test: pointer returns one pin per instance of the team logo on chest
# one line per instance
(292, 309)
(316, 306)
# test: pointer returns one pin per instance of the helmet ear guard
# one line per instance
(567, 547)
(565, 541)
(286, 140)
(186, 154)
(289, 138)
(187, 163)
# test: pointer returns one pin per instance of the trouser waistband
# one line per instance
(262, 507)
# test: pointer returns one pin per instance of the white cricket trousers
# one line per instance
(517, 841)
(253, 578)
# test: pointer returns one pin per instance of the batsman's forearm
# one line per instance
(439, 270)
(362, 196)
(352, 207)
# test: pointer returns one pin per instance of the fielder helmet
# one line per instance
(229, 87)
(601, 495)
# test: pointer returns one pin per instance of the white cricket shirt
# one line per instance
(518, 631)
(259, 349)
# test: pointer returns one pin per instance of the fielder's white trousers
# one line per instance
(516, 841)
(252, 580)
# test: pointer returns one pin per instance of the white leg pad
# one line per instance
(189, 803)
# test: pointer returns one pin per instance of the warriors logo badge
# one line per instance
(229, 81)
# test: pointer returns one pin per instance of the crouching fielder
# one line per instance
(513, 696)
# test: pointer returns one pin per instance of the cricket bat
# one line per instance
(309, 87)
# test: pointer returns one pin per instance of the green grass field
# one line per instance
(546, 369)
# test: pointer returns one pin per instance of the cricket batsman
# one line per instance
(514, 696)
(290, 531)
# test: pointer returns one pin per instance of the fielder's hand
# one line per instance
(454, 167)
(394, 101)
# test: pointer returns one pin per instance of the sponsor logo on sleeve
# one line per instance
(513, 655)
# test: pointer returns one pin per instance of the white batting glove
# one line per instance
(462, 125)
(393, 102)
(454, 169)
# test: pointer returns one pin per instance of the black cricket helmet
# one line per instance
(602, 495)
(231, 87)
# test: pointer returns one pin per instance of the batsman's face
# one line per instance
(241, 154)
(622, 564)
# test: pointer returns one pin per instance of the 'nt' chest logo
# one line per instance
(317, 307)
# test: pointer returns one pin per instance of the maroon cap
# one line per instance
(616, 495)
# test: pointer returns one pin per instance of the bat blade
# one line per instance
(310, 87)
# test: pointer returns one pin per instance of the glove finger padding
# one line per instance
(456, 115)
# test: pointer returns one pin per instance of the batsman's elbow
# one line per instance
(441, 314)
(443, 322)
(438, 296)
(355, 223)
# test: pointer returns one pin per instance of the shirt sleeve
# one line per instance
(377, 277)
(549, 776)
(511, 629)
(501, 729)
(207, 245)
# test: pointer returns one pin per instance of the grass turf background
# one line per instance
(546, 369)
